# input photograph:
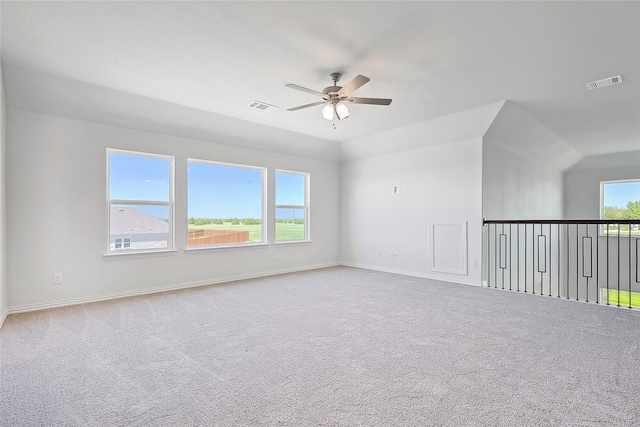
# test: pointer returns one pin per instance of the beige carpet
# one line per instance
(330, 347)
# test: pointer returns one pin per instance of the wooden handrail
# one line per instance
(560, 221)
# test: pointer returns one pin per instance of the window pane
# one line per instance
(290, 224)
(290, 189)
(133, 177)
(139, 227)
(225, 204)
(621, 200)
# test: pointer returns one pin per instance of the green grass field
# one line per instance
(624, 231)
(625, 298)
(289, 232)
(283, 231)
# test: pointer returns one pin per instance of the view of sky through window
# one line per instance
(620, 200)
(220, 191)
(138, 178)
(289, 189)
(618, 194)
(214, 190)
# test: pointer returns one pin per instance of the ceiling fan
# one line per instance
(336, 97)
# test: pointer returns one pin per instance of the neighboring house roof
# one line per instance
(126, 220)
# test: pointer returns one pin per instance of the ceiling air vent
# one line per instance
(263, 106)
(604, 82)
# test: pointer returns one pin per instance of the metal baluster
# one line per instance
(629, 239)
(587, 240)
(597, 264)
(533, 254)
(550, 258)
(607, 237)
(525, 258)
(577, 261)
(518, 255)
(559, 261)
(619, 226)
(495, 256)
(637, 260)
(568, 270)
(501, 254)
(510, 255)
(488, 255)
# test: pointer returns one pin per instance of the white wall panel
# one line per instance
(449, 247)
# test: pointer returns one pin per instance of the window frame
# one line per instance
(306, 207)
(125, 247)
(263, 207)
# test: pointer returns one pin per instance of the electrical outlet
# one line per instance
(474, 263)
(57, 278)
(379, 253)
(276, 255)
(394, 255)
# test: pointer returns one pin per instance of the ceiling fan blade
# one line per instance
(374, 101)
(304, 89)
(354, 84)
(307, 105)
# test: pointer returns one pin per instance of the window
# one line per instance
(226, 204)
(292, 206)
(119, 245)
(140, 201)
(620, 200)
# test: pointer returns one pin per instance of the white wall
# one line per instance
(515, 186)
(3, 203)
(582, 182)
(56, 182)
(522, 167)
(438, 182)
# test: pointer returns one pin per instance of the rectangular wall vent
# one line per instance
(604, 82)
(263, 106)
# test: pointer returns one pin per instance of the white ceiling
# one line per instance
(194, 67)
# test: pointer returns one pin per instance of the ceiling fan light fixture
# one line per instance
(327, 112)
(342, 111)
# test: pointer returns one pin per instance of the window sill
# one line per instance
(291, 242)
(138, 254)
(200, 249)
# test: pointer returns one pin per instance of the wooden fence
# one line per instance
(208, 236)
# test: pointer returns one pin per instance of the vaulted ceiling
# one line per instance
(192, 68)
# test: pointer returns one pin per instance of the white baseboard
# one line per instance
(457, 279)
(3, 317)
(157, 289)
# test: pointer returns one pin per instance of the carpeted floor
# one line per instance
(330, 347)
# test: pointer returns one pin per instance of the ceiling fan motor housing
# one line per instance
(331, 90)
